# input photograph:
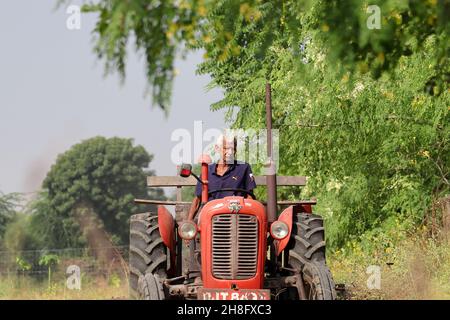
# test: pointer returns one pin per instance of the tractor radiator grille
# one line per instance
(234, 246)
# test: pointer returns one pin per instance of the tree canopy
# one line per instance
(362, 110)
(236, 32)
(92, 185)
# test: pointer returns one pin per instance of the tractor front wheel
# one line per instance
(150, 287)
(318, 283)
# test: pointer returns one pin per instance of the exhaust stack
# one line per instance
(271, 175)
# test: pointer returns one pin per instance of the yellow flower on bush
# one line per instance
(201, 10)
(425, 153)
(249, 13)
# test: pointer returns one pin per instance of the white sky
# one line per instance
(53, 95)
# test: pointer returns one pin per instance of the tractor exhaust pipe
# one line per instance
(271, 175)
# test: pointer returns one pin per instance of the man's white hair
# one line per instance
(229, 138)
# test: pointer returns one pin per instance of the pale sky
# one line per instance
(53, 95)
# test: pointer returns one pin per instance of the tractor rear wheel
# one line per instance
(148, 254)
(150, 287)
(307, 239)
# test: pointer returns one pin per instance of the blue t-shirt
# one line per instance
(238, 176)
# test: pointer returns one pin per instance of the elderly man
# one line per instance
(226, 173)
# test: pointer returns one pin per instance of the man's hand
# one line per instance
(204, 158)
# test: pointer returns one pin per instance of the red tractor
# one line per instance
(239, 248)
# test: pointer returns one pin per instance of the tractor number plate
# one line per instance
(229, 294)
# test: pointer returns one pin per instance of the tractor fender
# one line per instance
(167, 230)
(286, 217)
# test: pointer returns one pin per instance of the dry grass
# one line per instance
(26, 288)
(415, 268)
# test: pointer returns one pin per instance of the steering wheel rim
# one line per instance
(251, 194)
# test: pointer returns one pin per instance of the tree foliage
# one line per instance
(364, 112)
(92, 185)
(8, 205)
(19, 235)
(227, 29)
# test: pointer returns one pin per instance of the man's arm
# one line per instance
(195, 201)
(193, 209)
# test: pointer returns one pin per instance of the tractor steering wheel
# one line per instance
(251, 194)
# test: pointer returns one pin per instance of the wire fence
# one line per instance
(94, 261)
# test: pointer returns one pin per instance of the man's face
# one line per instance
(227, 152)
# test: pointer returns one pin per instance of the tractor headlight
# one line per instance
(279, 230)
(187, 230)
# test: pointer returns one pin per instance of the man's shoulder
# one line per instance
(242, 163)
(236, 163)
(212, 165)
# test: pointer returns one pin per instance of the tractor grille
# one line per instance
(234, 246)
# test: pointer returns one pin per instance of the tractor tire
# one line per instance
(307, 240)
(307, 256)
(148, 254)
(150, 287)
(318, 282)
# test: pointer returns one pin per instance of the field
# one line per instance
(27, 288)
(51, 274)
(417, 267)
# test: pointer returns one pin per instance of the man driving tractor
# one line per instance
(239, 248)
(226, 173)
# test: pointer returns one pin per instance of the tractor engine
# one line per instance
(233, 233)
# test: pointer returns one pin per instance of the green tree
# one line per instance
(90, 189)
(363, 112)
(19, 235)
(240, 33)
(8, 205)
